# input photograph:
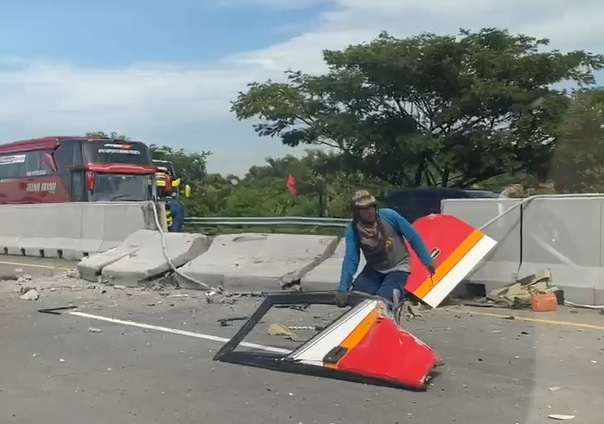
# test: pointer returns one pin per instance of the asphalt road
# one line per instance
(55, 370)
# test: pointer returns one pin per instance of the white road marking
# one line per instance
(177, 331)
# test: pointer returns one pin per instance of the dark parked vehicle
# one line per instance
(413, 203)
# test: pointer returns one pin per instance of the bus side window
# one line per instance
(24, 165)
(67, 155)
(12, 166)
(77, 187)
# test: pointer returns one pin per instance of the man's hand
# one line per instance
(342, 298)
(431, 268)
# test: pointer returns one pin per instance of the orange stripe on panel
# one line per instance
(358, 333)
(449, 263)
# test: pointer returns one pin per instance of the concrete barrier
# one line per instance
(503, 263)
(91, 267)
(258, 261)
(562, 234)
(326, 275)
(565, 236)
(70, 230)
(141, 258)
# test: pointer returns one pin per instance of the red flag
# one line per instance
(291, 185)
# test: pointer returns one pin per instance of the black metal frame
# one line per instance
(276, 362)
(56, 311)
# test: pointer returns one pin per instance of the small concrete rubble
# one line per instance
(30, 294)
(60, 290)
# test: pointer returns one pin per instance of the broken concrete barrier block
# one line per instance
(90, 268)
(326, 275)
(257, 262)
(149, 261)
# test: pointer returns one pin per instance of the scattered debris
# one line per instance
(30, 294)
(301, 308)
(411, 311)
(18, 270)
(480, 302)
(73, 273)
(230, 298)
(94, 330)
(9, 277)
(579, 305)
(518, 295)
(281, 330)
(305, 327)
(560, 417)
(56, 311)
(224, 322)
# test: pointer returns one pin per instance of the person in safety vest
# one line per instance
(380, 235)
(177, 212)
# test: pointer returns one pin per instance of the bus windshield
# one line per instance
(120, 187)
(112, 151)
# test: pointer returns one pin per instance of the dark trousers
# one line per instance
(176, 227)
(375, 283)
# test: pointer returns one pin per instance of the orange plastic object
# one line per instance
(544, 302)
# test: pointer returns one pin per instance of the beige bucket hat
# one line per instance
(363, 199)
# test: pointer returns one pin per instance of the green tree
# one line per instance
(322, 189)
(429, 109)
(578, 162)
(191, 166)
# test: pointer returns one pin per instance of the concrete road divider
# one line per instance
(559, 233)
(326, 275)
(258, 261)
(140, 257)
(90, 268)
(70, 230)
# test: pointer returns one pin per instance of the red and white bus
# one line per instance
(75, 169)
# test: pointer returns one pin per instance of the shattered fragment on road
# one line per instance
(365, 344)
(560, 417)
(30, 294)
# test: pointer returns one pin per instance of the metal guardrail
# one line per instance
(267, 221)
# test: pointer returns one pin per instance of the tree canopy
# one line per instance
(428, 109)
(480, 109)
(578, 162)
